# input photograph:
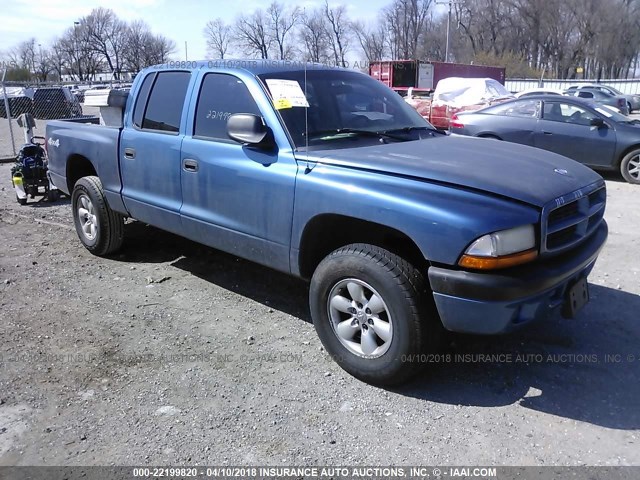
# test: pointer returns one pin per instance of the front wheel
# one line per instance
(630, 167)
(373, 313)
(100, 229)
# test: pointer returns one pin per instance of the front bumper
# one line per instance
(491, 303)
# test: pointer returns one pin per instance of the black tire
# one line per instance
(21, 201)
(107, 232)
(409, 308)
(630, 167)
(629, 107)
(53, 195)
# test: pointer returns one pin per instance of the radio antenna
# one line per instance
(306, 112)
(306, 109)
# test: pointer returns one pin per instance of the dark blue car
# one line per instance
(586, 132)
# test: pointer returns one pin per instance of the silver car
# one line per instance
(606, 96)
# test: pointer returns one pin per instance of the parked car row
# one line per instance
(43, 103)
(80, 90)
(597, 93)
(632, 101)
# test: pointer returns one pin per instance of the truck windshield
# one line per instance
(336, 104)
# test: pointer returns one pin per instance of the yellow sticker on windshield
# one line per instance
(282, 103)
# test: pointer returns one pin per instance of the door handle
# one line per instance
(547, 133)
(190, 165)
(129, 153)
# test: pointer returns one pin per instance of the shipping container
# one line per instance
(424, 76)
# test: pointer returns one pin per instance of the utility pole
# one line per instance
(450, 3)
(75, 34)
(41, 67)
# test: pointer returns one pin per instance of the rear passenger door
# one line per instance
(234, 197)
(150, 150)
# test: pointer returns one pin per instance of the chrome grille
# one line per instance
(572, 218)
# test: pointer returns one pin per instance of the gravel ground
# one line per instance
(172, 353)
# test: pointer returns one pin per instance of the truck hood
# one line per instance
(523, 173)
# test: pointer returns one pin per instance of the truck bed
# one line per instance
(83, 137)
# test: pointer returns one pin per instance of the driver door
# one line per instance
(235, 197)
(565, 128)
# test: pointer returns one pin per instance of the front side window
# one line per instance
(166, 101)
(221, 96)
(567, 113)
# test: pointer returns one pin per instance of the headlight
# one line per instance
(502, 249)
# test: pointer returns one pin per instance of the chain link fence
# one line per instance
(44, 101)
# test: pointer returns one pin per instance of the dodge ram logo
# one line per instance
(54, 143)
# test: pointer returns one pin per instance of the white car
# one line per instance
(538, 91)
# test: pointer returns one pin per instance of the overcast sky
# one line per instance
(180, 20)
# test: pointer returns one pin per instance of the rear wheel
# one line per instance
(630, 167)
(373, 313)
(100, 229)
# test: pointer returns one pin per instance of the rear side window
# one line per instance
(141, 102)
(523, 108)
(166, 101)
(220, 97)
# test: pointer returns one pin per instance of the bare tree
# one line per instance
(159, 50)
(42, 66)
(143, 48)
(372, 40)
(24, 55)
(314, 37)
(281, 22)
(218, 36)
(527, 36)
(58, 59)
(138, 37)
(70, 54)
(338, 31)
(252, 33)
(107, 35)
(406, 21)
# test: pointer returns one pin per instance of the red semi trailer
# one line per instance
(416, 80)
(424, 76)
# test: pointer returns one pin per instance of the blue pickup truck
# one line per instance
(403, 232)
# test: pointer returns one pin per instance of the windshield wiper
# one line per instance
(413, 129)
(355, 131)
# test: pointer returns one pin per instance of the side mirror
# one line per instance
(249, 129)
(598, 122)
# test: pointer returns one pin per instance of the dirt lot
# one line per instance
(172, 353)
